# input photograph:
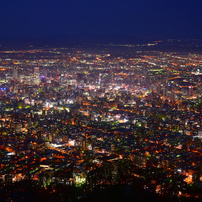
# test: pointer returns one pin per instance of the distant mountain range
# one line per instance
(87, 39)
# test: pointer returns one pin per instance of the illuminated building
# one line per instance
(37, 75)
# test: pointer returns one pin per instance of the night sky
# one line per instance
(138, 18)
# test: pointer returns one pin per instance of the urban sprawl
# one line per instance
(95, 117)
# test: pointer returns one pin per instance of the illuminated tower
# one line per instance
(37, 75)
(99, 81)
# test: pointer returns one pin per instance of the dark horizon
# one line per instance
(97, 41)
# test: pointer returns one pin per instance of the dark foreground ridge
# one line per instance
(28, 190)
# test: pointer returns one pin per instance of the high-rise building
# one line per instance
(99, 81)
(37, 75)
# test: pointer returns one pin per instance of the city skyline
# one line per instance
(100, 100)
